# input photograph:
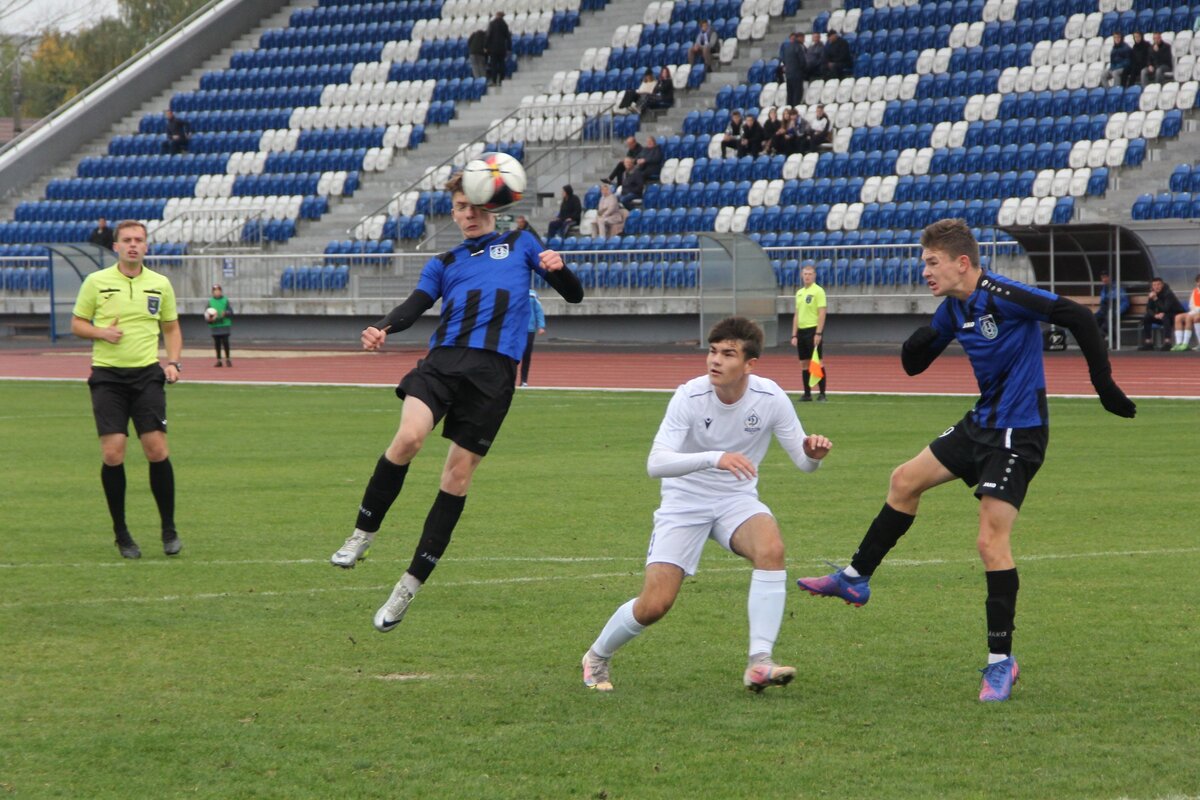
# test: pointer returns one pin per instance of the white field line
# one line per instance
(524, 579)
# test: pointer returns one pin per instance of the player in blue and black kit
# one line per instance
(466, 378)
(999, 445)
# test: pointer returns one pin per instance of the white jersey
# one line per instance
(698, 429)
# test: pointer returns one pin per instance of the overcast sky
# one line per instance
(65, 15)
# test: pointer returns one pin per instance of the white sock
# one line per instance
(1187, 335)
(410, 583)
(768, 593)
(996, 658)
(1178, 337)
(851, 572)
(1197, 327)
(620, 628)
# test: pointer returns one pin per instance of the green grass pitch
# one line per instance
(248, 666)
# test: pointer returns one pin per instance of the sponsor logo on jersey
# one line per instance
(753, 422)
(989, 485)
(153, 303)
(988, 327)
(498, 251)
(707, 422)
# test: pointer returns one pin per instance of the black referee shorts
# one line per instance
(122, 394)
(805, 338)
(998, 462)
(471, 388)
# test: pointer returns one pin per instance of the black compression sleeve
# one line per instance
(920, 350)
(404, 315)
(566, 284)
(1082, 325)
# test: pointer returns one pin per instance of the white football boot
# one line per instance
(390, 613)
(353, 551)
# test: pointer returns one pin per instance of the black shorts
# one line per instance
(998, 462)
(804, 343)
(123, 394)
(472, 389)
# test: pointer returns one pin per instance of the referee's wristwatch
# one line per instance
(177, 365)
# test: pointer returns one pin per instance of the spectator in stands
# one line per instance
(521, 223)
(794, 58)
(1139, 59)
(1109, 294)
(820, 130)
(705, 45)
(610, 217)
(477, 49)
(633, 149)
(1184, 323)
(633, 99)
(221, 325)
(102, 236)
(751, 143)
(792, 136)
(770, 128)
(814, 58)
(499, 45)
(570, 212)
(663, 93)
(1160, 66)
(537, 326)
(733, 134)
(651, 160)
(178, 133)
(1162, 307)
(839, 61)
(1118, 61)
(634, 184)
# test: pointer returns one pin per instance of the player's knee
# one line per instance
(769, 555)
(404, 447)
(902, 483)
(651, 608)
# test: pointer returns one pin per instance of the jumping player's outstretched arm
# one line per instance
(404, 315)
(1082, 325)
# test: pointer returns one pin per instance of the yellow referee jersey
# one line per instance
(808, 300)
(138, 304)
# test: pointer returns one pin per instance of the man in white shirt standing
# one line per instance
(707, 451)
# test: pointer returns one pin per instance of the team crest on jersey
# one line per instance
(988, 327)
(153, 302)
(498, 251)
(753, 422)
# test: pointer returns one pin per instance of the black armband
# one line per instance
(404, 315)
(565, 282)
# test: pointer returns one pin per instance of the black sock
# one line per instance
(162, 485)
(113, 480)
(217, 344)
(807, 388)
(443, 516)
(821, 383)
(886, 529)
(1001, 608)
(381, 492)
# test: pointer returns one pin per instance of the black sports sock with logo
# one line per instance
(382, 490)
(439, 525)
(112, 478)
(886, 529)
(162, 485)
(1001, 606)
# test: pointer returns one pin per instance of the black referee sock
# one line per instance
(1001, 605)
(821, 383)
(382, 490)
(439, 525)
(886, 529)
(162, 485)
(807, 388)
(112, 478)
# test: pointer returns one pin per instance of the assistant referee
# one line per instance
(122, 309)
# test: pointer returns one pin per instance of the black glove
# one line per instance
(1114, 400)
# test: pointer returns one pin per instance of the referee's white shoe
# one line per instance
(353, 551)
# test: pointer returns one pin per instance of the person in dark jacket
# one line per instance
(1139, 59)
(570, 212)
(178, 134)
(1161, 66)
(477, 49)
(814, 58)
(795, 66)
(1118, 61)
(733, 136)
(1161, 308)
(102, 235)
(634, 185)
(663, 94)
(651, 160)
(633, 149)
(751, 143)
(839, 61)
(499, 45)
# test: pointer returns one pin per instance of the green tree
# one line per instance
(153, 18)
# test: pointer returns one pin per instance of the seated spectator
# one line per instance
(632, 150)
(1185, 323)
(733, 135)
(570, 212)
(792, 136)
(522, 224)
(651, 160)
(634, 185)
(839, 61)
(1109, 294)
(705, 45)
(820, 130)
(102, 236)
(610, 217)
(1160, 66)
(1161, 309)
(663, 95)
(770, 128)
(751, 143)
(1139, 58)
(1118, 61)
(178, 133)
(632, 100)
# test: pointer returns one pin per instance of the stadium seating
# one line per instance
(1181, 202)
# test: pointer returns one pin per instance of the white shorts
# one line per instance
(679, 533)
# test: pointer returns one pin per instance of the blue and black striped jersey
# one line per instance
(484, 287)
(998, 327)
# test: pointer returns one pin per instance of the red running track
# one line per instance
(1139, 374)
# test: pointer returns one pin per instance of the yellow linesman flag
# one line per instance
(815, 371)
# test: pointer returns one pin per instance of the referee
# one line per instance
(808, 327)
(122, 309)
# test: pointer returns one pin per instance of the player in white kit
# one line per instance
(707, 450)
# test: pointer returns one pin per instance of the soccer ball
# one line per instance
(210, 315)
(494, 181)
